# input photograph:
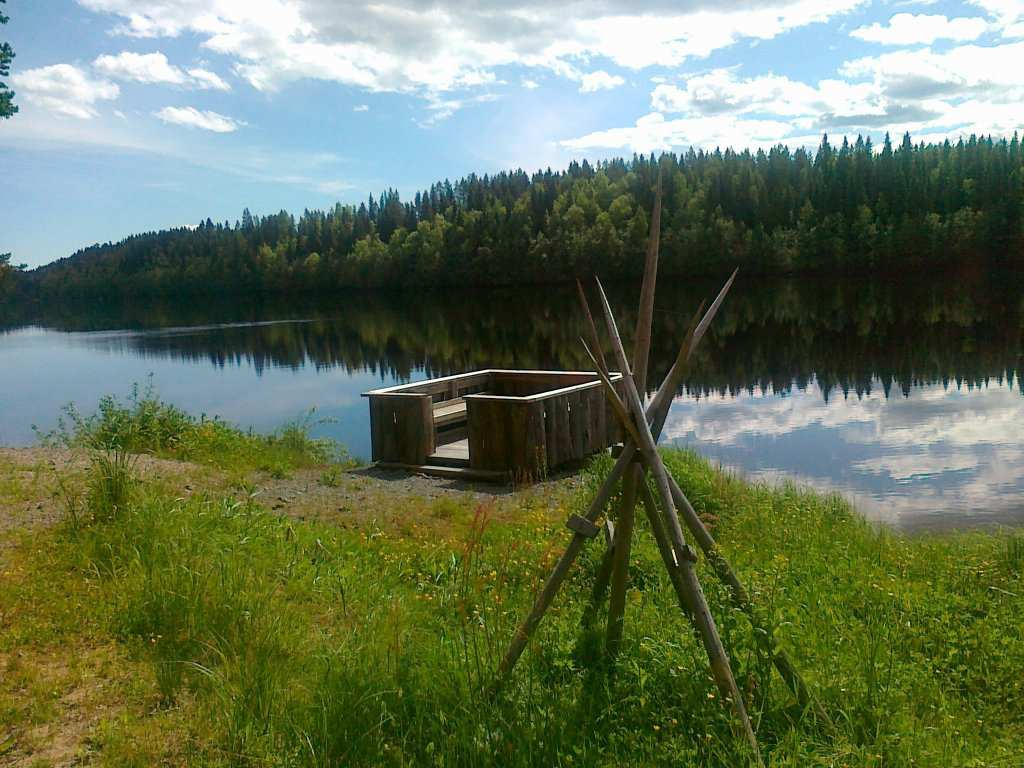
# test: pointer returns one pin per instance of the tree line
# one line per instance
(851, 208)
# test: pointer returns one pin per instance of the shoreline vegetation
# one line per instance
(189, 622)
(848, 209)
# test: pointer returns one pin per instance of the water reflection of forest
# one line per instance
(771, 334)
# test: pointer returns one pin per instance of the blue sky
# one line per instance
(145, 114)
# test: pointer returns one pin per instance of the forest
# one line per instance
(851, 208)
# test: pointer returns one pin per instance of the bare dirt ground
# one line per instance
(394, 499)
(33, 483)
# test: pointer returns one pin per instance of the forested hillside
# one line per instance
(850, 208)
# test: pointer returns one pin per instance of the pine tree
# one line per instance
(7, 106)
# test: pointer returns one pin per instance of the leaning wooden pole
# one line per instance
(645, 317)
(620, 561)
(560, 572)
(640, 444)
(655, 415)
(699, 610)
(634, 475)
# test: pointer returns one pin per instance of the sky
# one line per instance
(138, 115)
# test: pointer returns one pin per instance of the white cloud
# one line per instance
(1005, 13)
(205, 80)
(529, 84)
(599, 81)
(915, 29)
(64, 89)
(154, 68)
(720, 91)
(361, 108)
(961, 71)
(140, 67)
(194, 118)
(653, 132)
(410, 46)
(967, 89)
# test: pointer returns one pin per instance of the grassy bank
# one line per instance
(211, 631)
(144, 424)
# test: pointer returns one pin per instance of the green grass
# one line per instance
(301, 644)
(146, 424)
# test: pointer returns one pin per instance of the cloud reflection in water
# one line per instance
(920, 461)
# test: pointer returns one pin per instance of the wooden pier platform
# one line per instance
(494, 424)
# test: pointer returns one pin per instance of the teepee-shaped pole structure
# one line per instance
(667, 508)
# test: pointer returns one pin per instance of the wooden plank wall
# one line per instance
(533, 437)
(402, 428)
(505, 435)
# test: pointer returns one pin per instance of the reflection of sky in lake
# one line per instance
(45, 370)
(919, 461)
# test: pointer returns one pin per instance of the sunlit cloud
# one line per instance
(599, 81)
(191, 117)
(915, 29)
(64, 89)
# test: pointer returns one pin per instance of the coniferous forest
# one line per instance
(851, 208)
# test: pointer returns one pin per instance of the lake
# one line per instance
(905, 396)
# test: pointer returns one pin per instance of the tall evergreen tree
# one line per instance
(7, 106)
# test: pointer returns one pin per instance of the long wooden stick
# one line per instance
(620, 562)
(634, 475)
(656, 414)
(701, 613)
(645, 317)
(558, 575)
(595, 338)
(762, 636)
(602, 579)
(667, 390)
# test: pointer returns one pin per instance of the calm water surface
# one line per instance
(904, 396)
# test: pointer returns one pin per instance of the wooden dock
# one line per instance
(493, 424)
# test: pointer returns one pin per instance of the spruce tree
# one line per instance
(7, 105)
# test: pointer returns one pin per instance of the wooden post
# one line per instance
(641, 348)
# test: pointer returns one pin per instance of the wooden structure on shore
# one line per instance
(493, 424)
(667, 509)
